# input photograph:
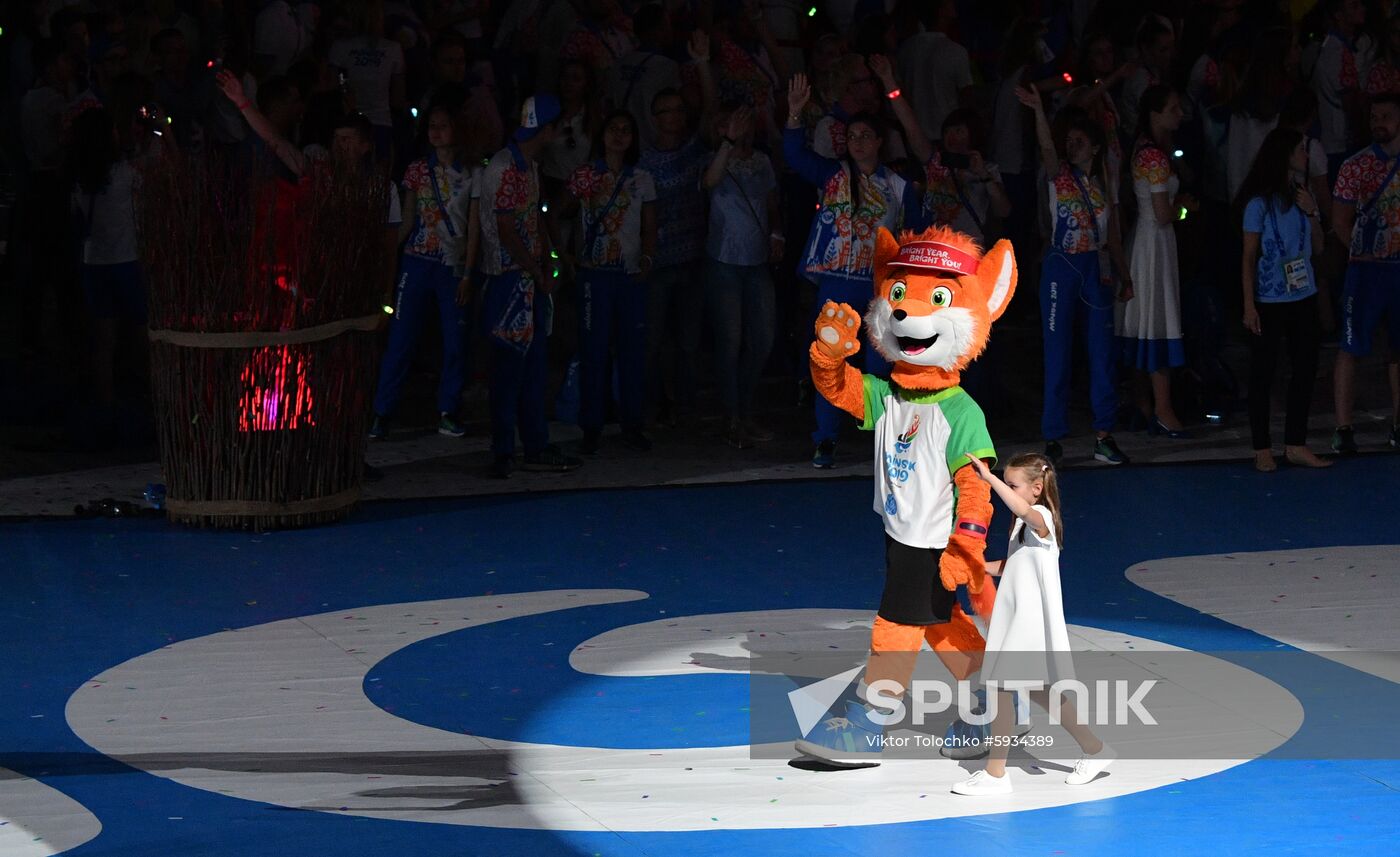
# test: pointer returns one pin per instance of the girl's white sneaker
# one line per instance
(1089, 767)
(983, 783)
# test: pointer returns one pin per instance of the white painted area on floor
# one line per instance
(288, 723)
(38, 821)
(1339, 602)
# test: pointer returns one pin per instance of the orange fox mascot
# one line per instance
(936, 296)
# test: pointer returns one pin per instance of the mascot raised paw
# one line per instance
(936, 297)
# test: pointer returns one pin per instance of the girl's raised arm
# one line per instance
(1018, 507)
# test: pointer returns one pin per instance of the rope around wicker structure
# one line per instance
(264, 299)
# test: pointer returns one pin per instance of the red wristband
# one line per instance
(970, 528)
(892, 94)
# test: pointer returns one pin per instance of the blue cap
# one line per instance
(537, 112)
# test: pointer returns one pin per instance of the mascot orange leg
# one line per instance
(957, 643)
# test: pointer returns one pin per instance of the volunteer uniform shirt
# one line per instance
(1341, 69)
(1384, 79)
(599, 46)
(459, 212)
(841, 242)
(1078, 210)
(920, 441)
(613, 219)
(946, 191)
(829, 137)
(744, 75)
(1361, 183)
(509, 185)
(425, 241)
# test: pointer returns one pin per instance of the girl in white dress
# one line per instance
(1029, 617)
(1149, 323)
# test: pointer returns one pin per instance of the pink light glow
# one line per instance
(276, 393)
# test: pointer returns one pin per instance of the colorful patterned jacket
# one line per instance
(842, 242)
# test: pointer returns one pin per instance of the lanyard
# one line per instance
(437, 194)
(1278, 237)
(1088, 202)
(876, 182)
(1380, 189)
(966, 203)
(758, 221)
(596, 222)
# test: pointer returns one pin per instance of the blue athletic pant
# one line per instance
(1370, 295)
(421, 282)
(857, 293)
(1069, 289)
(612, 312)
(517, 380)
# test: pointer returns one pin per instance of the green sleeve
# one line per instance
(875, 390)
(968, 432)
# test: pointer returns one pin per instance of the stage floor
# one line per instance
(565, 673)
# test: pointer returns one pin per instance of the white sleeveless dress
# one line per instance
(1149, 325)
(1027, 640)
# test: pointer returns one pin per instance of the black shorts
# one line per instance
(913, 593)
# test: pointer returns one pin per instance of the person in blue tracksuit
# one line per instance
(431, 187)
(1075, 279)
(616, 202)
(856, 196)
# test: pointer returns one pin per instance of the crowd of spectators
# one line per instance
(611, 189)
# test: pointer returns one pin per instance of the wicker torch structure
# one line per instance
(264, 298)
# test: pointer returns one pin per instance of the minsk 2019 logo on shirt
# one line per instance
(901, 443)
(898, 466)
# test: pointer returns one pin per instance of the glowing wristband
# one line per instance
(892, 94)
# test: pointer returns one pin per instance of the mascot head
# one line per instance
(936, 296)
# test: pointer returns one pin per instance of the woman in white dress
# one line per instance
(1027, 640)
(1149, 324)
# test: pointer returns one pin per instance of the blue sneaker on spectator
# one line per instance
(851, 741)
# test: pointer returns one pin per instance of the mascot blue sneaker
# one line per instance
(852, 741)
(965, 740)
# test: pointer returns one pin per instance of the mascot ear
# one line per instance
(886, 249)
(998, 274)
